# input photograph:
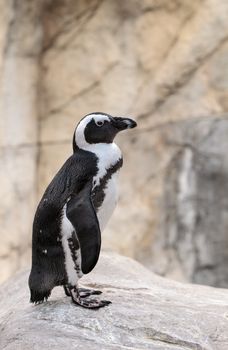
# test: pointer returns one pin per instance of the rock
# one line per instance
(184, 234)
(20, 46)
(194, 239)
(147, 312)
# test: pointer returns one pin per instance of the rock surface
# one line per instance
(147, 312)
(191, 241)
(20, 47)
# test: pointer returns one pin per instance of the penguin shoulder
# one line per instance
(75, 172)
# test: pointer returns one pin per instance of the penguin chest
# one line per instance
(105, 198)
(105, 191)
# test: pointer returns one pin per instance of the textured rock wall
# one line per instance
(193, 242)
(164, 63)
(20, 46)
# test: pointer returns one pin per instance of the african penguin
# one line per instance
(74, 210)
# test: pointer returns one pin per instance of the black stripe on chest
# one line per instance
(98, 193)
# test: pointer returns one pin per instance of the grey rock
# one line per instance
(20, 46)
(194, 238)
(147, 312)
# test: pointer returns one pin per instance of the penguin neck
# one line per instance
(108, 154)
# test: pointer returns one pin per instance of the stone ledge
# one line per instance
(147, 312)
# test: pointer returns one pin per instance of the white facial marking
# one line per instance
(79, 134)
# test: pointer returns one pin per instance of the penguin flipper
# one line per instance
(82, 215)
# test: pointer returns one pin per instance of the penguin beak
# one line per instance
(123, 123)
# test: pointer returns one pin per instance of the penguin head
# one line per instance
(97, 128)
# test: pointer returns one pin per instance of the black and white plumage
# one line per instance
(74, 210)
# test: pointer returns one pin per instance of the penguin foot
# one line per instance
(83, 292)
(87, 303)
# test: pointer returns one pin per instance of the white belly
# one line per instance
(110, 200)
(71, 266)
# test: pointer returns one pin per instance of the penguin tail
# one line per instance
(38, 297)
(40, 287)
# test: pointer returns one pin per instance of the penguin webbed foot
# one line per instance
(83, 292)
(87, 303)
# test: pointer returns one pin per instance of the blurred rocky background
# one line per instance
(162, 62)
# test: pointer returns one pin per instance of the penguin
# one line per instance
(75, 209)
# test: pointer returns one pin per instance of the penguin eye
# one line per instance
(100, 123)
